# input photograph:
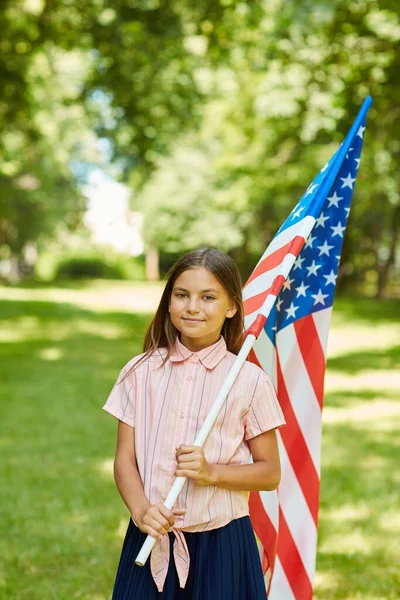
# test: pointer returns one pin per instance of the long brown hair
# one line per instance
(161, 332)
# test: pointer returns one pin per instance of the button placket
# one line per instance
(182, 405)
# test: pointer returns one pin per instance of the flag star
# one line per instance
(298, 262)
(301, 290)
(291, 311)
(287, 284)
(338, 229)
(324, 168)
(360, 131)
(357, 160)
(311, 188)
(350, 149)
(312, 269)
(334, 200)
(338, 258)
(324, 249)
(319, 298)
(309, 242)
(321, 220)
(347, 209)
(278, 304)
(297, 212)
(348, 181)
(331, 278)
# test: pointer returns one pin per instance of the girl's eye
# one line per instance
(209, 297)
(180, 295)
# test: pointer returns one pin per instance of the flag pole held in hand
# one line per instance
(288, 243)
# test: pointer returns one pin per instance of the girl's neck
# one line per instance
(195, 345)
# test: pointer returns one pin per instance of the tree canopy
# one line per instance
(216, 114)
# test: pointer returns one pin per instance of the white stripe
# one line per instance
(301, 392)
(271, 506)
(302, 227)
(266, 355)
(264, 281)
(322, 320)
(297, 514)
(280, 587)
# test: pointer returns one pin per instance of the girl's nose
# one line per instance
(193, 305)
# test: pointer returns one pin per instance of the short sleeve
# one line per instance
(264, 411)
(121, 401)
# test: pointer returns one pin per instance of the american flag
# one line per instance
(300, 267)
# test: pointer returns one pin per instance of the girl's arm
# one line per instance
(126, 473)
(263, 474)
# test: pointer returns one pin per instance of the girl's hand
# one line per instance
(157, 520)
(192, 463)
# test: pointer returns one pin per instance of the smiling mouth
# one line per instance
(192, 320)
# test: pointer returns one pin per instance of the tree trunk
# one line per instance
(384, 268)
(152, 264)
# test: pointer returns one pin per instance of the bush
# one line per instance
(99, 267)
(80, 267)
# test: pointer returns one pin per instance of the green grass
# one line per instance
(61, 519)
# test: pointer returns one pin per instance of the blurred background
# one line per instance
(131, 132)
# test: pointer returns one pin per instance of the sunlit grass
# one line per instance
(61, 520)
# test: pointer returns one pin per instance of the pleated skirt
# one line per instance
(224, 565)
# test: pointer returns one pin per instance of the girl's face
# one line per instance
(199, 305)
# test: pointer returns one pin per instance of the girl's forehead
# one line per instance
(198, 278)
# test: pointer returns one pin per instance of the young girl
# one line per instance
(205, 549)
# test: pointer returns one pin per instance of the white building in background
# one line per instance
(108, 216)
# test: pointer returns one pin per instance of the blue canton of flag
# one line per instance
(311, 283)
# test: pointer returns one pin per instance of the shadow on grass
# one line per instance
(353, 362)
(367, 309)
(358, 488)
(346, 399)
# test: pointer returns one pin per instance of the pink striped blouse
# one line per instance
(167, 406)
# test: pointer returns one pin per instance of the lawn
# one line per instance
(61, 519)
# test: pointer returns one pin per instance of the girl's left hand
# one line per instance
(192, 463)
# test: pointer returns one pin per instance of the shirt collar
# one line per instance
(209, 357)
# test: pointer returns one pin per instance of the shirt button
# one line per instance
(181, 415)
(189, 377)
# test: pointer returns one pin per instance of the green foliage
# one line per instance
(100, 267)
(219, 113)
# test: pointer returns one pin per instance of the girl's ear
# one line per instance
(231, 312)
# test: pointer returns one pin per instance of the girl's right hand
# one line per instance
(157, 520)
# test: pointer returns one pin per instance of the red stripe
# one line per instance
(275, 259)
(291, 562)
(297, 450)
(312, 353)
(252, 357)
(255, 302)
(264, 529)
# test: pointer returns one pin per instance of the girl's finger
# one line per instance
(179, 511)
(166, 514)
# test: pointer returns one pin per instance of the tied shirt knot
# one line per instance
(159, 560)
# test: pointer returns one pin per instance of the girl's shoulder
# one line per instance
(249, 369)
(144, 360)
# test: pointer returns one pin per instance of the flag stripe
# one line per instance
(293, 504)
(280, 587)
(298, 386)
(263, 528)
(312, 352)
(273, 260)
(292, 563)
(322, 320)
(296, 447)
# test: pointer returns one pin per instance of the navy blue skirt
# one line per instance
(224, 565)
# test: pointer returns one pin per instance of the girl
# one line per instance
(205, 549)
